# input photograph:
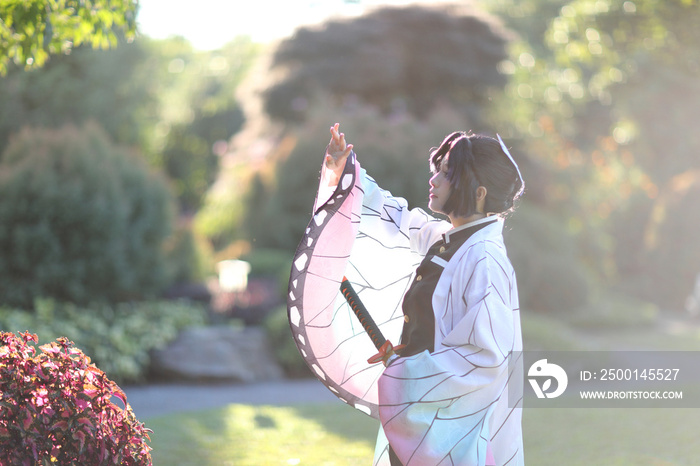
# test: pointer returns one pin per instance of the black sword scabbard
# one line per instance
(362, 314)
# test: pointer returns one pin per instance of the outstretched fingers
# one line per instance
(338, 151)
(338, 148)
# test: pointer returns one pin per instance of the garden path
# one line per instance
(149, 401)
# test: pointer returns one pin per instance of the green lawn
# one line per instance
(621, 437)
(334, 434)
(243, 435)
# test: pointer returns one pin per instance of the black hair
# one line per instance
(477, 160)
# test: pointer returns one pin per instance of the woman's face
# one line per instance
(439, 187)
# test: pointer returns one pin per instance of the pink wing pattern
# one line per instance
(326, 332)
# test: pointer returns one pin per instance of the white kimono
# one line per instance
(448, 407)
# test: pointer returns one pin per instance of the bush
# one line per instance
(551, 276)
(546, 333)
(80, 220)
(118, 338)
(56, 407)
(271, 263)
(189, 257)
(615, 311)
(283, 347)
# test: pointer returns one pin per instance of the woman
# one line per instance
(444, 397)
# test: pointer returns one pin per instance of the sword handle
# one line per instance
(362, 314)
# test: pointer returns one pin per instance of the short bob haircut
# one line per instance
(477, 160)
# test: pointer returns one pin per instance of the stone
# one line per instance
(217, 353)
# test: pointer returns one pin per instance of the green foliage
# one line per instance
(189, 257)
(202, 83)
(117, 88)
(80, 220)
(189, 162)
(188, 158)
(268, 262)
(601, 104)
(221, 218)
(199, 112)
(414, 57)
(661, 262)
(273, 263)
(117, 338)
(256, 200)
(56, 408)
(31, 30)
(530, 19)
(637, 57)
(283, 347)
(176, 105)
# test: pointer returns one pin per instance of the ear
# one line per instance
(480, 199)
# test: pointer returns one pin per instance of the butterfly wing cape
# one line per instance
(379, 267)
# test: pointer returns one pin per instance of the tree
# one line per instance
(191, 153)
(395, 58)
(199, 112)
(606, 108)
(165, 98)
(117, 88)
(31, 30)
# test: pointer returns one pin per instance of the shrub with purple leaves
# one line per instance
(56, 408)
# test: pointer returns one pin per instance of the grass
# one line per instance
(243, 435)
(334, 434)
(644, 437)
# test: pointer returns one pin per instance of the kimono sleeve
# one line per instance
(435, 408)
(388, 219)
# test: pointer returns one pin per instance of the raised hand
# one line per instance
(337, 152)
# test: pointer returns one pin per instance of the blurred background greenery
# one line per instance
(129, 165)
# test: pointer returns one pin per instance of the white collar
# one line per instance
(470, 224)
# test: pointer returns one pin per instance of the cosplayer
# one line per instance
(445, 290)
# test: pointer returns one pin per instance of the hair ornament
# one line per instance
(512, 160)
